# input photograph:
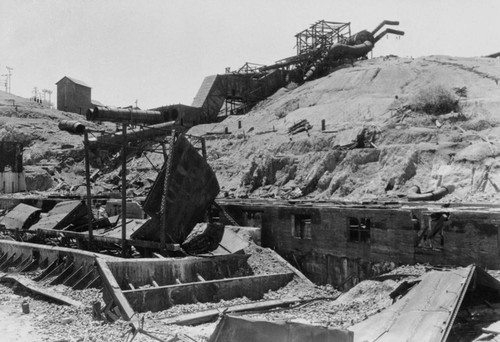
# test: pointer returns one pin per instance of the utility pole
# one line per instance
(9, 69)
(50, 96)
(89, 193)
(45, 92)
(5, 82)
(136, 103)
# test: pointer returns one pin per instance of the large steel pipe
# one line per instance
(382, 24)
(144, 134)
(72, 126)
(148, 117)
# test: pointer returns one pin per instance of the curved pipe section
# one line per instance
(389, 30)
(339, 51)
(382, 24)
(414, 194)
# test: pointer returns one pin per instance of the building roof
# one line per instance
(74, 80)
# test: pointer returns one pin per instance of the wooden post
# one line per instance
(89, 198)
(323, 125)
(239, 124)
(164, 150)
(124, 190)
(203, 148)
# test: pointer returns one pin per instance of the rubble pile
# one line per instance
(55, 322)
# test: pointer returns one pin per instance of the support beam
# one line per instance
(107, 239)
(124, 191)
(115, 290)
(33, 287)
(89, 194)
(209, 315)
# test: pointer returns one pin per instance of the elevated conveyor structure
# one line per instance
(246, 88)
(319, 48)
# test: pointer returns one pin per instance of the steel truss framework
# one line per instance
(322, 34)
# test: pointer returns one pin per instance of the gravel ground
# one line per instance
(328, 307)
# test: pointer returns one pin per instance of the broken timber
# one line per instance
(32, 286)
(107, 239)
(114, 290)
(210, 315)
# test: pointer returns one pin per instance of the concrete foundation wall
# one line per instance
(161, 298)
(326, 253)
(141, 272)
(51, 253)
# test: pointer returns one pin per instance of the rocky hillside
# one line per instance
(391, 123)
(378, 141)
(52, 158)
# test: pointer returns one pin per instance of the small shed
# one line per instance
(73, 95)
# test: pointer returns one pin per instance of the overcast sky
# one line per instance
(159, 51)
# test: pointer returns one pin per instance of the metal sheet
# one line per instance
(236, 329)
(426, 313)
(192, 188)
(62, 215)
(132, 226)
(21, 217)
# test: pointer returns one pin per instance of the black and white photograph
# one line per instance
(249, 171)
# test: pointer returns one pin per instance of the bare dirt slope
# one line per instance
(402, 146)
(51, 157)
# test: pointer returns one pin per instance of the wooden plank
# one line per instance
(33, 287)
(114, 289)
(209, 315)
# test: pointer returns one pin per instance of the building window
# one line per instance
(359, 229)
(301, 227)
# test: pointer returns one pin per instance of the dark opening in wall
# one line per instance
(301, 227)
(431, 235)
(359, 229)
(252, 218)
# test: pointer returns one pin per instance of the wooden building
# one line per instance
(73, 95)
(344, 244)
